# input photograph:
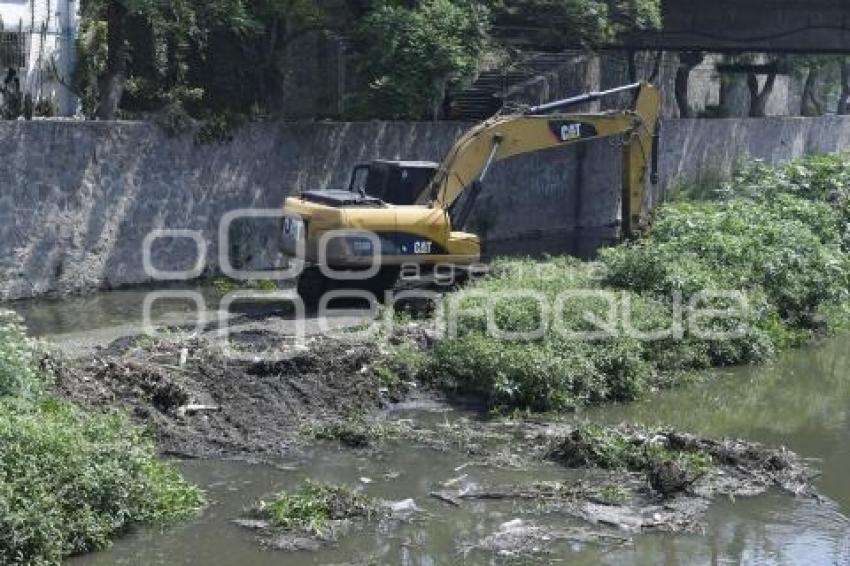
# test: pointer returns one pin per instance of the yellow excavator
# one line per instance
(398, 213)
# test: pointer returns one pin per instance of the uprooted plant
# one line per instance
(313, 507)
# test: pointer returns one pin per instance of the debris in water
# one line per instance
(445, 498)
(403, 508)
(453, 481)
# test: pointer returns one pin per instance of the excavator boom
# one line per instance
(542, 127)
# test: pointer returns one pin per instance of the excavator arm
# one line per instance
(544, 127)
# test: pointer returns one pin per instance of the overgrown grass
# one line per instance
(778, 236)
(71, 480)
(312, 506)
(614, 495)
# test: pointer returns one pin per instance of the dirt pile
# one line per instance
(630, 479)
(204, 403)
(673, 463)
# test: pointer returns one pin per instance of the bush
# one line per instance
(777, 246)
(21, 375)
(779, 236)
(555, 371)
(70, 481)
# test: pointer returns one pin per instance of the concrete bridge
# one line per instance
(789, 26)
(779, 26)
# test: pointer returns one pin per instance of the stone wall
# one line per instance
(78, 198)
(691, 148)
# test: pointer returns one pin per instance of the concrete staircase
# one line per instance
(486, 95)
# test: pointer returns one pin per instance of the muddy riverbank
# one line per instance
(485, 489)
(610, 483)
(204, 403)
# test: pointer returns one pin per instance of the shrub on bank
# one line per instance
(550, 373)
(21, 375)
(71, 480)
(780, 236)
(760, 246)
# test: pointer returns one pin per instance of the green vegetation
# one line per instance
(614, 495)
(614, 449)
(562, 23)
(224, 285)
(355, 432)
(312, 506)
(779, 236)
(219, 128)
(401, 362)
(21, 374)
(549, 373)
(412, 55)
(220, 60)
(786, 249)
(71, 480)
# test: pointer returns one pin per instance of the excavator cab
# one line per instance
(394, 182)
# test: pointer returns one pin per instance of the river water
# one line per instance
(802, 402)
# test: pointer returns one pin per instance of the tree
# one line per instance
(687, 61)
(110, 83)
(208, 56)
(574, 23)
(177, 27)
(759, 97)
(627, 16)
(844, 97)
(277, 25)
(812, 104)
(410, 56)
(214, 57)
(822, 82)
(812, 68)
(755, 66)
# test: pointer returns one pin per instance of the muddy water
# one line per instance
(214, 540)
(802, 402)
(119, 310)
(770, 528)
(79, 324)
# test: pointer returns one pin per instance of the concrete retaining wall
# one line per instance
(690, 147)
(78, 198)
